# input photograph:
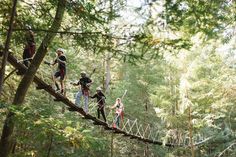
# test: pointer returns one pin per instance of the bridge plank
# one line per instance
(42, 85)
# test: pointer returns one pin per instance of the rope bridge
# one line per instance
(130, 127)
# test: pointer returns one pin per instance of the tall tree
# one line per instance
(24, 85)
(7, 44)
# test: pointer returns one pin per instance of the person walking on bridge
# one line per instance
(100, 102)
(30, 46)
(119, 113)
(29, 49)
(61, 70)
(84, 83)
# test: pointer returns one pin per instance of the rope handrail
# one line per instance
(147, 131)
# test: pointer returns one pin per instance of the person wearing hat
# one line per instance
(61, 70)
(101, 102)
(84, 83)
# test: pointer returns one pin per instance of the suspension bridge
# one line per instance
(131, 128)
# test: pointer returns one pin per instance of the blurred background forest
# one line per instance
(175, 58)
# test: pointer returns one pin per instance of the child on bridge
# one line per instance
(61, 70)
(119, 114)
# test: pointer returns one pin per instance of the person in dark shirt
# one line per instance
(84, 83)
(61, 70)
(30, 47)
(101, 102)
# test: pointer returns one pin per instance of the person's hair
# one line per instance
(119, 103)
(117, 100)
(98, 89)
(61, 50)
(83, 73)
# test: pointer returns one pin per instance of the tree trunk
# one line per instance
(107, 55)
(172, 91)
(9, 75)
(50, 145)
(108, 72)
(191, 132)
(112, 144)
(6, 48)
(145, 120)
(28, 78)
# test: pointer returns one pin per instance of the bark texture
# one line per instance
(6, 138)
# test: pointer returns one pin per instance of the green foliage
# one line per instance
(209, 17)
(163, 57)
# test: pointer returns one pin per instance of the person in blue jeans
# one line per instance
(84, 83)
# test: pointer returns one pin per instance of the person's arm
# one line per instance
(75, 83)
(103, 96)
(113, 106)
(89, 82)
(94, 96)
(54, 62)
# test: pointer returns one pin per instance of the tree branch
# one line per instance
(226, 149)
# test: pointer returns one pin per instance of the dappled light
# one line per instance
(117, 78)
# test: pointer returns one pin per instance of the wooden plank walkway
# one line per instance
(44, 86)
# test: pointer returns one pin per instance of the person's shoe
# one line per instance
(114, 126)
(62, 92)
(57, 90)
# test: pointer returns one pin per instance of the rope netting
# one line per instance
(129, 125)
